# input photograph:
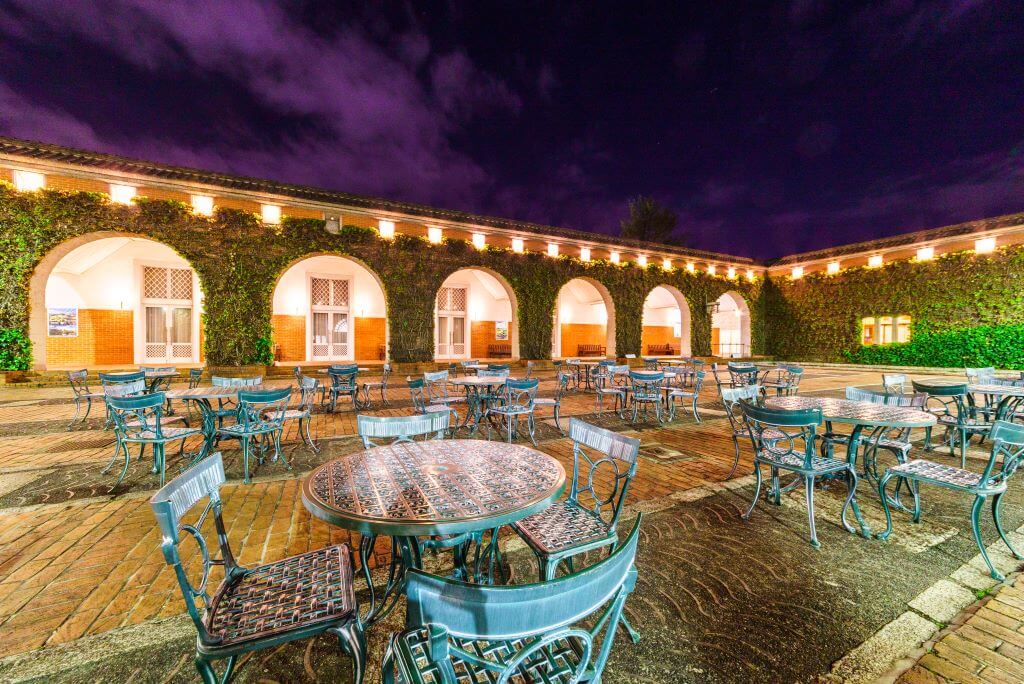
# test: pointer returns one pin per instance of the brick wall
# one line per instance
(574, 334)
(658, 334)
(76, 184)
(105, 338)
(370, 335)
(289, 333)
(481, 336)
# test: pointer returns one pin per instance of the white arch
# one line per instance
(669, 298)
(733, 322)
(576, 304)
(490, 299)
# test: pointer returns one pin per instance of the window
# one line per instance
(885, 329)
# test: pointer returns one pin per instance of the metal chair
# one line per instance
(894, 383)
(529, 370)
(422, 405)
(742, 374)
(195, 376)
(732, 398)
(121, 378)
(516, 401)
(1007, 445)
(557, 631)
(650, 362)
(343, 384)
(253, 608)
(683, 393)
(228, 408)
(980, 376)
(951, 405)
(613, 384)
(437, 389)
(159, 384)
(260, 416)
(645, 389)
(308, 388)
(793, 451)
(499, 367)
(139, 420)
(562, 379)
(401, 428)
(463, 365)
(82, 394)
(380, 385)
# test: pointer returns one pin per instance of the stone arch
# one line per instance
(513, 301)
(732, 319)
(558, 345)
(685, 320)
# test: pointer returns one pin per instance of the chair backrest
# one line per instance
(385, 374)
(792, 378)
(520, 393)
(221, 381)
(401, 428)
(259, 407)
(195, 376)
(858, 394)
(732, 398)
(562, 379)
(492, 373)
(529, 617)
(498, 367)
(646, 385)
(125, 389)
(1008, 445)
(473, 362)
(157, 369)
(798, 429)
(169, 504)
(79, 382)
(894, 383)
(344, 366)
(630, 356)
(529, 370)
(308, 389)
(980, 376)
(614, 452)
(121, 378)
(437, 384)
(417, 394)
(136, 414)
(650, 362)
(742, 374)
(953, 398)
(698, 381)
(343, 378)
(680, 374)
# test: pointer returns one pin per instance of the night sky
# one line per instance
(769, 127)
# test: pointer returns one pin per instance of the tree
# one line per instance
(649, 220)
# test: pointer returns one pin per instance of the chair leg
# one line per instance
(997, 502)
(245, 458)
(809, 486)
(757, 491)
(979, 503)
(885, 506)
(557, 423)
(160, 460)
(353, 642)
(78, 408)
(851, 486)
(206, 671)
(735, 461)
(278, 453)
(928, 438)
(696, 415)
(304, 427)
(776, 490)
(548, 566)
(963, 448)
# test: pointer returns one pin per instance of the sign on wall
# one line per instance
(501, 330)
(62, 322)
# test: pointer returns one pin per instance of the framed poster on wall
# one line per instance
(62, 322)
(501, 331)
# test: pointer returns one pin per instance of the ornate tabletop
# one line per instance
(856, 412)
(435, 487)
(212, 392)
(996, 390)
(478, 381)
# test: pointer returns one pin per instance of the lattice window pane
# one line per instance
(154, 282)
(181, 283)
(458, 295)
(442, 298)
(321, 292)
(340, 292)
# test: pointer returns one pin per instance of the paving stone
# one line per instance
(869, 660)
(943, 601)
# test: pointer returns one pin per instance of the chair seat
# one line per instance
(164, 420)
(611, 390)
(90, 395)
(511, 410)
(921, 469)
(169, 433)
(794, 461)
(448, 400)
(887, 443)
(295, 414)
(968, 423)
(546, 401)
(685, 394)
(562, 525)
(284, 596)
(553, 664)
(436, 408)
(253, 428)
(373, 384)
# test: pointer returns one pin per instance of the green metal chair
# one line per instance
(894, 383)
(228, 408)
(1007, 446)
(343, 384)
(259, 417)
(437, 389)
(680, 394)
(612, 383)
(499, 367)
(645, 389)
(378, 385)
(562, 380)
(195, 376)
(254, 608)
(785, 440)
(401, 428)
(555, 631)
(138, 420)
(79, 381)
(952, 406)
(516, 401)
(732, 398)
(308, 389)
(741, 374)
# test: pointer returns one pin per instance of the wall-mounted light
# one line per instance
(584, 254)
(518, 246)
(122, 194)
(797, 272)
(925, 253)
(479, 240)
(332, 224)
(712, 269)
(731, 273)
(271, 213)
(691, 267)
(750, 275)
(28, 181)
(202, 205)
(641, 261)
(435, 234)
(832, 268)
(386, 229)
(614, 257)
(552, 249)
(666, 264)
(874, 261)
(985, 245)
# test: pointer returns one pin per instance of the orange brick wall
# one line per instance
(716, 335)
(370, 335)
(574, 334)
(105, 338)
(76, 184)
(289, 334)
(481, 335)
(658, 334)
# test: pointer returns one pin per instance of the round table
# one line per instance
(450, 488)
(859, 414)
(203, 397)
(476, 405)
(1006, 394)
(586, 366)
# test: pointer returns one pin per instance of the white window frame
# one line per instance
(351, 351)
(139, 309)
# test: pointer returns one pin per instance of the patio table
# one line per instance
(476, 406)
(858, 414)
(1007, 394)
(412, 490)
(586, 366)
(324, 371)
(202, 396)
(153, 378)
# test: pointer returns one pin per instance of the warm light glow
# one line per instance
(711, 269)
(434, 234)
(584, 254)
(479, 240)
(518, 246)
(798, 272)
(832, 268)
(641, 261)
(552, 249)
(691, 267)
(926, 254)
(202, 205)
(737, 312)
(985, 245)
(750, 274)
(122, 194)
(271, 213)
(875, 261)
(666, 264)
(386, 229)
(27, 181)
(731, 273)
(614, 257)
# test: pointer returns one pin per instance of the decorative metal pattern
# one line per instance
(283, 596)
(339, 289)
(154, 282)
(180, 283)
(563, 525)
(166, 283)
(958, 477)
(855, 412)
(320, 292)
(452, 299)
(555, 663)
(796, 460)
(434, 483)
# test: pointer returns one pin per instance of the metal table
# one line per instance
(476, 405)
(859, 414)
(202, 396)
(586, 366)
(407, 491)
(152, 378)
(1006, 393)
(325, 371)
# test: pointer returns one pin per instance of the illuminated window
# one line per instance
(122, 194)
(798, 272)
(903, 328)
(750, 275)
(985, 245)
(666, 264)
(868, 331)
(641, 261)
(832, 268)
(875, 261)
(731, 273)
(711, 269)
(434, 234)
(691, 267)
(885, 329)
(614, 258)
(584, 254)
(926, 254)
(479, 240)
(552, 249)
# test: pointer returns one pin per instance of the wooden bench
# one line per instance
(499, 349)
(590, 350)
(661, 349)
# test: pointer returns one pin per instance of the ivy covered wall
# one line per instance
(965, 309)
(238, 261)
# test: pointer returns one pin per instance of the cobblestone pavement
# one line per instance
(718, 599)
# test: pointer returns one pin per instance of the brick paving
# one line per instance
(92, 563)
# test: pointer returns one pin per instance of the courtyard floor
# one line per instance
(85, 594)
